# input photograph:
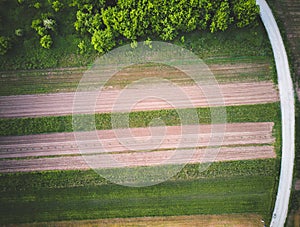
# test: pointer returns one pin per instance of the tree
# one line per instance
(221, 19)
(46, 41)
(134, 19)
(37, 26)
(37, 5)
(36, 23)
(168, 32)
(245, 12)
(103, 40)
(56, 5)
(49, 24)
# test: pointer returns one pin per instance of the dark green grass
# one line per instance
(235, 43)
(248, 113)
(233, 187)
(217, 196)
(249, 41)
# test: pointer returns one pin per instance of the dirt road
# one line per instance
(58, 104)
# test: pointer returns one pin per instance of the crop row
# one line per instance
(248, 113)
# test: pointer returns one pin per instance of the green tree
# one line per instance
(205, 8)
(245, 12)
(56, 5)
(134, 19)
(46, 41)
(37, 5)
(221, 19)
(37, 26)
(103, 40)
(36, 23)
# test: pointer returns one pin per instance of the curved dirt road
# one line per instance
(287, 113)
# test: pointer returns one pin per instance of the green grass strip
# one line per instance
(14, 182)
(249, 194)
(248, 113)
(232, 187)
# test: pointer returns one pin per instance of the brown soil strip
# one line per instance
(236, 220)
(138, 159)
(58, 104)
(136, 139)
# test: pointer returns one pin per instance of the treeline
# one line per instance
(166, 19)
(106, 23)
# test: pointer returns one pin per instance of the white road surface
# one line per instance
(287, 113)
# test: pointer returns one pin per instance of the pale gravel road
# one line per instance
(59, 104)
(287, 113)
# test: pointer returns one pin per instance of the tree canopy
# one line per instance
(104, 24)
(165, 19)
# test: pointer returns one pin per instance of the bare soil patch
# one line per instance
(59, 104)
(236, 220)
(135, 159)
(136, 139)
